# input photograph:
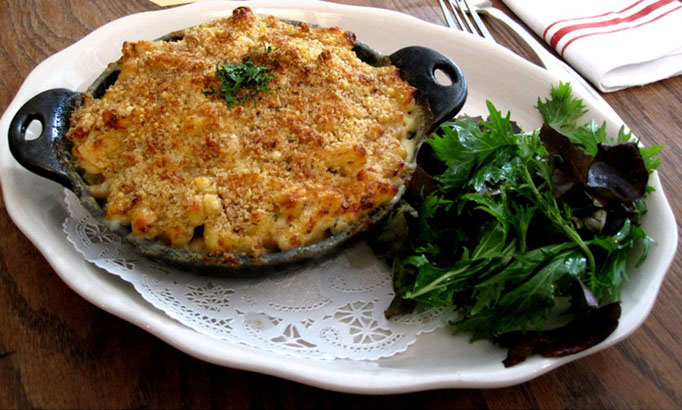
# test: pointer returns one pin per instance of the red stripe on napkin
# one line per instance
(544, 34)
(643, 12)
(619, 29)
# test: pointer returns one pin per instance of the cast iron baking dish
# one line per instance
(49, 155)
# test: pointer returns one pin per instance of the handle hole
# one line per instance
(442, 78)
(34, 130)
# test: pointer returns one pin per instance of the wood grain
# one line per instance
(58, 351)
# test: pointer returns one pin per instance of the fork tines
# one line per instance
(457, 16)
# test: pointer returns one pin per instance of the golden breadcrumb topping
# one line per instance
(314, 156)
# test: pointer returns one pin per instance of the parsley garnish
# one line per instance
(243, 81)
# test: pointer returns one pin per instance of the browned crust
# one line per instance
(312, 158)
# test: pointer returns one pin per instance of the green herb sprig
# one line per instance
(244, 81)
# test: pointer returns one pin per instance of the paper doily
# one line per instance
(333, 309)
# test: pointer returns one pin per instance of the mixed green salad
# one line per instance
(526, 233)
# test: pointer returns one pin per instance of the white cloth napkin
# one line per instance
(614, 43)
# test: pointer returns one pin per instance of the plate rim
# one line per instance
(309, 372)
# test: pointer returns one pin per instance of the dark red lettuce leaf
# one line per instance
(400, 307)
(618, 172)
(577, 160)
(563, 182)
(421, 184)
(586, 331)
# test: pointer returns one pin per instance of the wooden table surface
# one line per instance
(57, 350)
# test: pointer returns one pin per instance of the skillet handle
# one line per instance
(52, 108)
(418, 65)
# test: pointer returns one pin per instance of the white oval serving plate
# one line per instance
(436, 360)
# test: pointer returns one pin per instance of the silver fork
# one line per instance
(461, 21)
(457, 17)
